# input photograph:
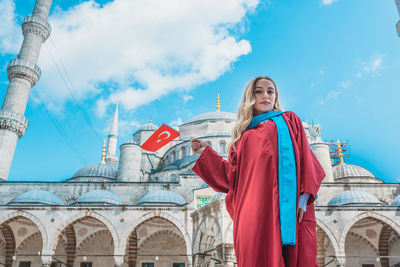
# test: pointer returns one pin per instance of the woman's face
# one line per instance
(264, 94)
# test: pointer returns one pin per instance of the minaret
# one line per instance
(218, 106)
(23, 73)
(398, 10)
(111, 158)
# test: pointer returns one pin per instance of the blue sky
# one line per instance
(335, 63)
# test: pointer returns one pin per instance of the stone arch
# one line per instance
(203, 226)
(361, 216)
(330, 235)
(366, 241)
(162, 232)
(229, 228)
(83, 243)
(124, 242)
(15, 214)
(26, 240)
(81, 215)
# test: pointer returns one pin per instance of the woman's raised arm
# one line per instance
(212, 168)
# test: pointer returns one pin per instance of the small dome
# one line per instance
(147, 127)
(354, 197)
(37, 197)
(348, 171)
(396, 202)
(215, 115)
(162, 196)
(100, 197)
(97, 170)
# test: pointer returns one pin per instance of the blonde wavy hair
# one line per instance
(246, 112)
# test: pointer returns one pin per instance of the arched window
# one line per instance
(183, 152)
(173, 156)
(222, 147)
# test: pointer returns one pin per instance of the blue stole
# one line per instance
(287, 176)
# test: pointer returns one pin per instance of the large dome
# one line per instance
(96, 170)
(343, 171)
(37, 197)
(215, 115)
(100, 197)
(162, 196)
(354, 197)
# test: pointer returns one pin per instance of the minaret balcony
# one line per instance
(23, 69)
(13, 121)
(36, 25)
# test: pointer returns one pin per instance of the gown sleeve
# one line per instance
(215, 171)
(310, 171)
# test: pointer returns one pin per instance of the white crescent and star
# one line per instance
(159, 136)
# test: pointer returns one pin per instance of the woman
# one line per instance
(271, 170)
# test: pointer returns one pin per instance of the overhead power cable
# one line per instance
(60, 129)
(70, 87)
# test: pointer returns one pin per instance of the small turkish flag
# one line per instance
(160, 138)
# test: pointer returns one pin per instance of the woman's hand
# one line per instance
(198, 146)
(300, 215)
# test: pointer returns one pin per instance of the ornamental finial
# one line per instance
(218, 106)
(151, 120)
(103, 153)
(339, 150)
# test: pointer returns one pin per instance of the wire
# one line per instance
(60, 129)
(71, 87)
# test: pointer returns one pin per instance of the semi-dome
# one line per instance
(349, 171)
(351, 197)
(162, 196)
(396, 202)
(96, 170)
(99, 197)
(37, 197)
(215, 115)
(181, 163)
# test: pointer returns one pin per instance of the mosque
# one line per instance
(149, 209)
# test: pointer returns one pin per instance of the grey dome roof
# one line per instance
(147, 127)
(354, 197)
(349, 170)
(215, 115)
(162, 196)
(396, 202)
(97, 170)
(101, 197)
(37, 197)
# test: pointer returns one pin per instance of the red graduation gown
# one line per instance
(250, 179)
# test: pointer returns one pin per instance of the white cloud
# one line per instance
(186, 98)
(10, 32)
(145, 49)
(328, 2)
(373, 67)
(176, 123)
(125, 127)
(344, 84)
